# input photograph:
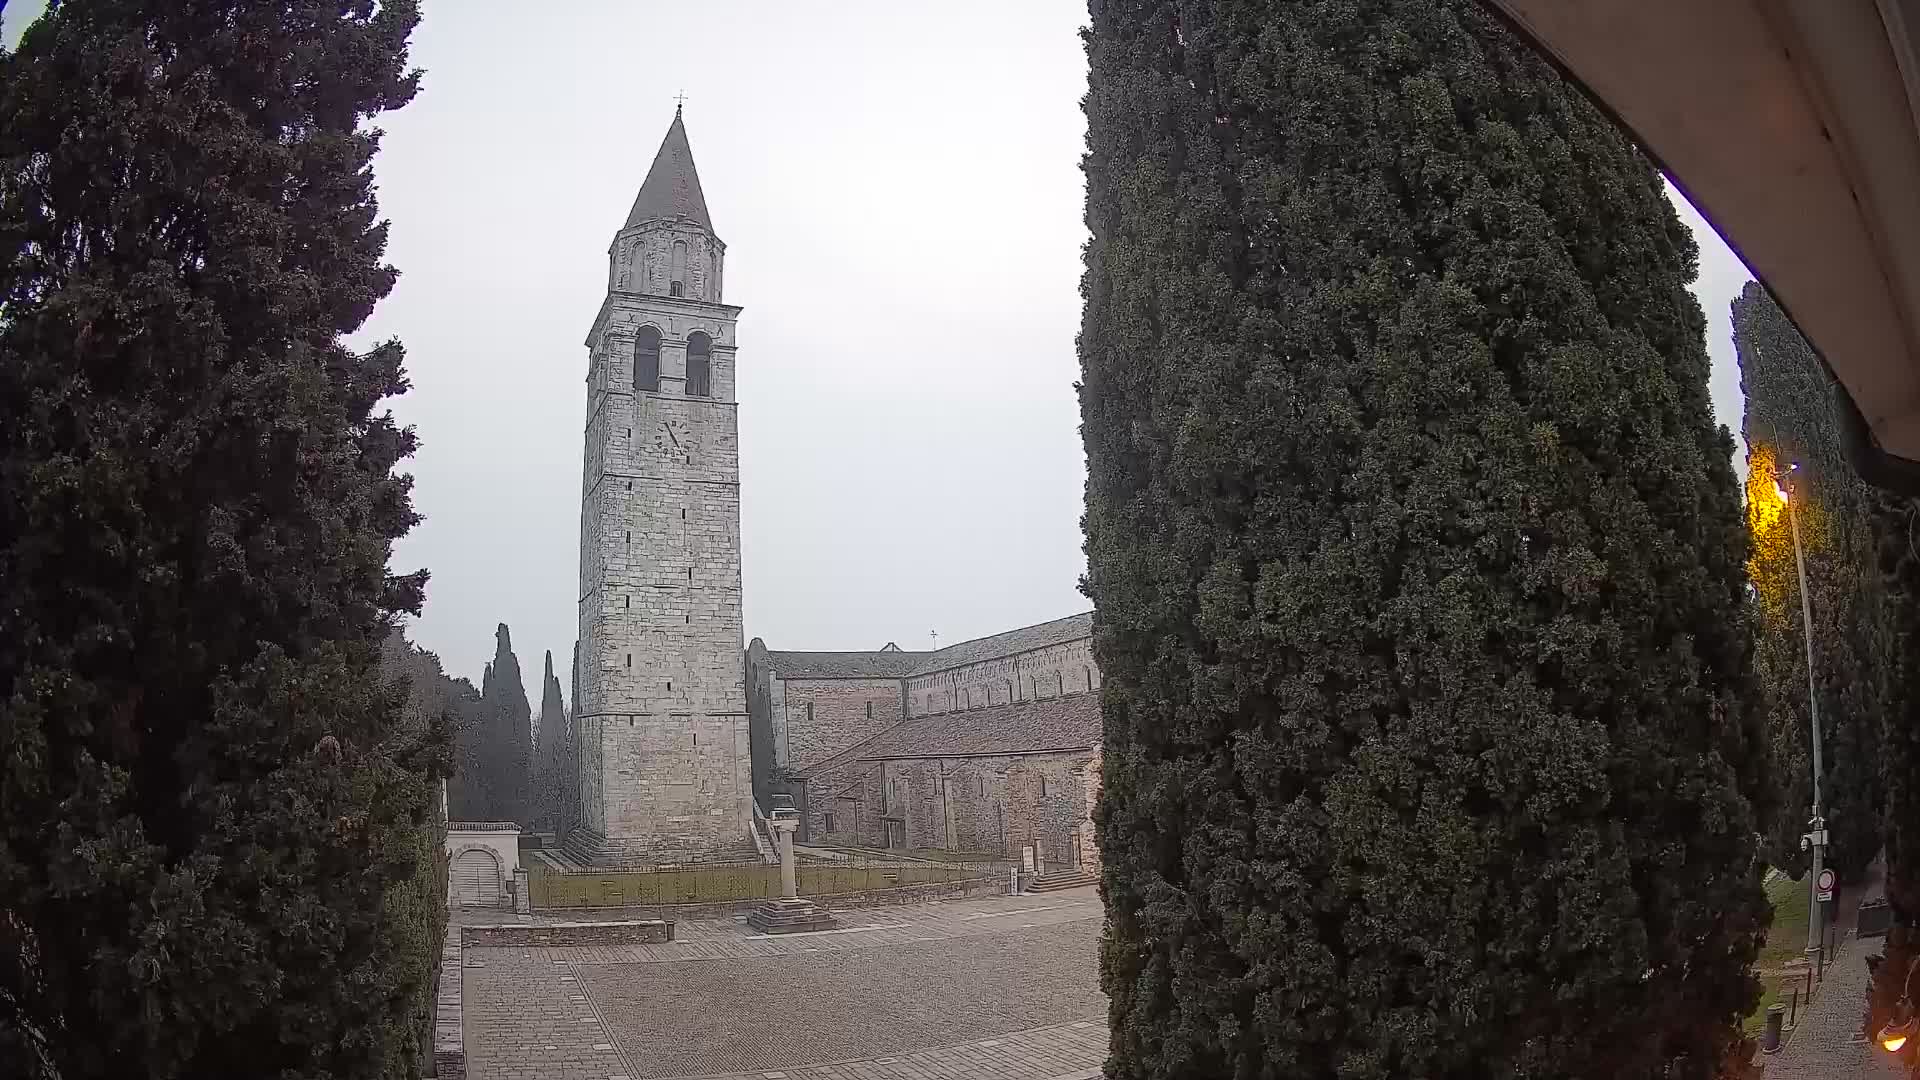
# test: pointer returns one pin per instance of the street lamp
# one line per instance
(1815, 840)
(1901, 1028)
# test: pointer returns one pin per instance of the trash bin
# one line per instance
(1874, 919)
(1770, 1037)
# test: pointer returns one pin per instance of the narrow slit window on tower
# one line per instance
(669, 686)
(678, 282)
(646, 360)
(699, 366)
(626, 601)
(629, 659)
(869, 710)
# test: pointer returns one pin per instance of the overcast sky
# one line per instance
(899, 191)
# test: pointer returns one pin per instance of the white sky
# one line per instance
(899, 190)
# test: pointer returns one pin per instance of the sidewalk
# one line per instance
(1828, 1043)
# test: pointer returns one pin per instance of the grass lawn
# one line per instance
(1787, 938)
(1786, 941)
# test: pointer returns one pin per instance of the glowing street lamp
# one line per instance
(1893, 1037)
(1815, 840)
(1901, 1029)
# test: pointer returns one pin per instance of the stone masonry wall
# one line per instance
(995, 805)
(821, 717)
(544, 935)
(1065, 668)
(662, 709)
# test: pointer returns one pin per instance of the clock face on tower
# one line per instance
(672, 440)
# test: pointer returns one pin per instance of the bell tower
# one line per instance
(662, 709)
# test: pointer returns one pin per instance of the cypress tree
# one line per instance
(570, 750)
(210, 794)
(1791, 421)
(1897, 524)
(549, 788)
(1431, 743)
(507, 752)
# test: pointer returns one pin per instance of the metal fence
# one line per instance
(710, 883)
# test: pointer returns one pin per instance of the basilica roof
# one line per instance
(1025, 639)
(880, 664)
(1070, 722)
(672, 187)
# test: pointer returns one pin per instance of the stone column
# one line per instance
(522, 902)
(783, 832)
(791, 913)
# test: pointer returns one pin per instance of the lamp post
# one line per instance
(1815, 840)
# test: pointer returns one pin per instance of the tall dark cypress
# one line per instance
(1792, 431)
(1431, 742)
(210, 794)
(570, 749)
(1897, 524)
(507, 752)
(549, 786)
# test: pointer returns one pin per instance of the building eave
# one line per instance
(1793, 126)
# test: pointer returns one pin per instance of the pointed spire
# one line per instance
(672, 188)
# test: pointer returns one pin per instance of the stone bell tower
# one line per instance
(662, 709)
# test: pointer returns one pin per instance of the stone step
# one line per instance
(788, 916)
(1055, 880)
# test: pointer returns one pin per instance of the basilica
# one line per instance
(686, 733)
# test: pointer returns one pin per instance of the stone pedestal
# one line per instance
(522, 902)
(789, 915)
(792, 912)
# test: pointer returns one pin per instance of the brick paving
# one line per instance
(1828, 1043)
(1002, 987)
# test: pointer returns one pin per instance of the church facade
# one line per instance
(987, 746)
(990, 747)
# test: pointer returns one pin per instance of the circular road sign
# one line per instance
(1826, 880)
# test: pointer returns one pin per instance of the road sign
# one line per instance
(1823, 886)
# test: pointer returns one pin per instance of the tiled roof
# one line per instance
(1071, 722)
(1025, 639)
(886, 664)
(672, 187)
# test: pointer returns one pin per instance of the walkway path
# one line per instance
(1828, 1043)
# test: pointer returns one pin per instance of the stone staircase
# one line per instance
(763, 838)
(580, 854)
(792, 915)
(1055, 880)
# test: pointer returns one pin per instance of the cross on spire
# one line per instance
(679, 99)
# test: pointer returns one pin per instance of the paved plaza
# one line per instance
(1001, 988)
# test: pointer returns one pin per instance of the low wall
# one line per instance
(849, 901)
(727, 883)
(530, 935)
(449, 1037)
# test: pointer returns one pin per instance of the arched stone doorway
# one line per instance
(476, 878)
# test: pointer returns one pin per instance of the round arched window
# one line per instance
(646, 360)
(699, 365)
